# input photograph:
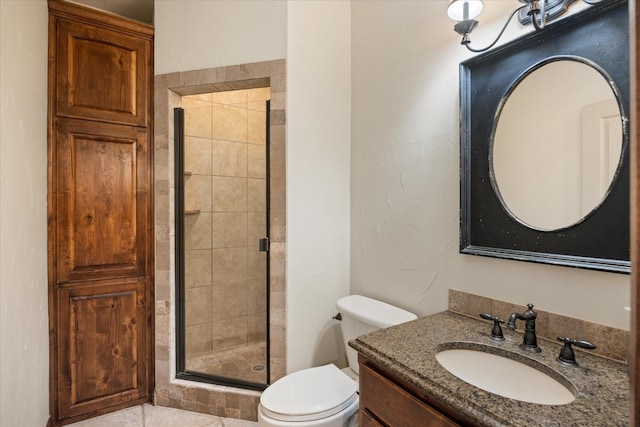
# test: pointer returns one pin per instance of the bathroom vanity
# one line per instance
(402, 383)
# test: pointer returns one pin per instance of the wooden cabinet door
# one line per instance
(102, 203)
(102, 340)
(100, 207)
(101, 74)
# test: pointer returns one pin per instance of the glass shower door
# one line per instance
(223, 313)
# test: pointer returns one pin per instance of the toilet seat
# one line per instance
(309, 394)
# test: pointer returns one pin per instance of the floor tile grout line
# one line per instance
(144, 416)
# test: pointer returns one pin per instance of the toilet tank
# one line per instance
(361, 315)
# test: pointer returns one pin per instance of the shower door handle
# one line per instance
(264, 244)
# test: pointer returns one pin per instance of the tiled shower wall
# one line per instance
(168, 92)
(225, 216)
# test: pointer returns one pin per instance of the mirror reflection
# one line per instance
(557, 145)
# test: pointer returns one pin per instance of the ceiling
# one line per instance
(140, 10)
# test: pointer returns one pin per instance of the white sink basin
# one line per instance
(505, 377)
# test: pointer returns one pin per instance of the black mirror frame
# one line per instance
(599, 35)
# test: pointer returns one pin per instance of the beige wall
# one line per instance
(198, 34)
(24, 345)
(318, 168)
(405, 175)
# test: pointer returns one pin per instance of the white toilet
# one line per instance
(326, 396)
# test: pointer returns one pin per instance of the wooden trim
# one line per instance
(634, 344)
(52, 195)
(151, 228)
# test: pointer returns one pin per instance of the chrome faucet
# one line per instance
(530, 342)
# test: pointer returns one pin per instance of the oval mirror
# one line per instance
(557, 144)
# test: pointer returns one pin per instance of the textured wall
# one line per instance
(405, 175)
(318, 156)
(24, 349)
(194, 34)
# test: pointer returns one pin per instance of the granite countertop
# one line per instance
(408, 350)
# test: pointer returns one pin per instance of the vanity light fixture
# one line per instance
(538, 12)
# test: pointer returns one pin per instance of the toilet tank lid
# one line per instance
(373, 312)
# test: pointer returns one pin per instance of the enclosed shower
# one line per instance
(222, 196)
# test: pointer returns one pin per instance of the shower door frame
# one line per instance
(181, 357)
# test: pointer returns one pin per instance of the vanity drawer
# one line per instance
(383, 402)
(368, 420)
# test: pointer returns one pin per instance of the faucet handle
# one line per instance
(530, 310)
(496, 332)
(567, 356)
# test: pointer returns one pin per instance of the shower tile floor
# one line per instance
(242, 363)
(159, 416)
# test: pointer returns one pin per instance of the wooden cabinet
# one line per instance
(100, 209)
(388, 401)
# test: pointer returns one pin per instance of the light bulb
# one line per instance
(463, 10)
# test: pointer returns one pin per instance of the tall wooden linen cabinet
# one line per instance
(100, 208)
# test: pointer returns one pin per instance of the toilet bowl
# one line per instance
(326, 396)
(322, 396)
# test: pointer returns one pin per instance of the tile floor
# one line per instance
(158, 416)
(243, 363)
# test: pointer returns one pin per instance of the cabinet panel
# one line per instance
(389, 404)
(102, 200)
(101, 346)
(101, 74)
